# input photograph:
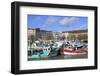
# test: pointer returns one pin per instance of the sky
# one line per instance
(57, 23)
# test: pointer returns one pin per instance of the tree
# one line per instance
(32, 38)
(71, 37)
(49, 37)
(63, 37)
(82, 37)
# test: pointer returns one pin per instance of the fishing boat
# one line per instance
(46, 52)
(69, 50)
(73, 52)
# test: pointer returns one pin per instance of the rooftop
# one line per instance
(76, 31)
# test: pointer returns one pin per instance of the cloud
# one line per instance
(68, 21)
(83, 27)
(51, 20)
(37, 18)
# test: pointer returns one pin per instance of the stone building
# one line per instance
(76, 34)
(36, 34)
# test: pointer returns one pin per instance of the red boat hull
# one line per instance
(73, 52)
